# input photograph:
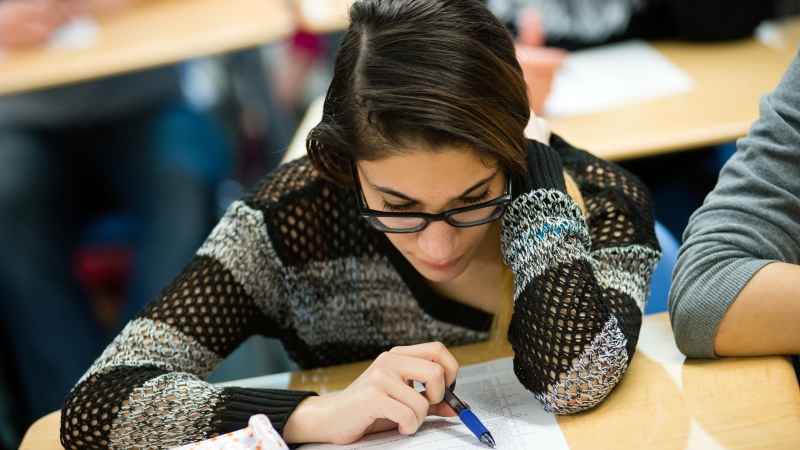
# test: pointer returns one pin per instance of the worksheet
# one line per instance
(613, 75)
(508, 410)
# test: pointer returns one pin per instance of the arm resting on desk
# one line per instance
(748, 222)
(764, 317)
(146, 390)
(580, 284)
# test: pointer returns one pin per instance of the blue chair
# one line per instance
(662, 277)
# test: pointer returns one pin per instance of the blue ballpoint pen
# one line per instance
(469, 418)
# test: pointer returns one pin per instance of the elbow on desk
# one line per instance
(585, 385)
(694, 335)
(563, 401)
(701, 292)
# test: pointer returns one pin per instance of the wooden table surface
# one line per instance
(663, 402)
(729, 80)
(149, 34)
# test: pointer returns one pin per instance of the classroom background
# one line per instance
(127, 127)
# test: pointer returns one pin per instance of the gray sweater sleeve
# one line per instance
(749, 220)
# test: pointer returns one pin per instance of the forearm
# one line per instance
(584, 305)
(763, 319)
(143, 407)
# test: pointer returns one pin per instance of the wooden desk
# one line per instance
(149, 34)
(729, 80)
(662, 402)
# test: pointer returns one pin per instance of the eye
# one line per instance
(475, 200)
(397, 208)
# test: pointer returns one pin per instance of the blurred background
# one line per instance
(127, 127)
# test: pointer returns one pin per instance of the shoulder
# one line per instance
(598, 177)
(309, 218)
(284, 183)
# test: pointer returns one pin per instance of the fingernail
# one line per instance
(453, 386)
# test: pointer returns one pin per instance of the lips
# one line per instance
(445, 266)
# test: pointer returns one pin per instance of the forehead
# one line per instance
(422, 174)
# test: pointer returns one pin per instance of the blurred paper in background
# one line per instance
(613, 75)
(79, 32)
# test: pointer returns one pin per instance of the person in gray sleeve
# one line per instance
(736, 285)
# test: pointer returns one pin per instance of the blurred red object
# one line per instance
(105, 271)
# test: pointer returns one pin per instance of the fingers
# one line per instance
(441, 409)
(382, 397)
(406, 419)
(412, 399)
(538, 129)
(435, 352)
(407, 369)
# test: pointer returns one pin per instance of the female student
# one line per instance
(393, 241)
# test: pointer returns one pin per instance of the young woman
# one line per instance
(392, 241)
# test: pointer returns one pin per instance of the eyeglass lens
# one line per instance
(475, 216)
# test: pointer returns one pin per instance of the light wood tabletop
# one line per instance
(149, 34)
(729, 80)
(663, 402)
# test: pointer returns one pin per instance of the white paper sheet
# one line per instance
(613, 75)
(509, 411)
(79, 32)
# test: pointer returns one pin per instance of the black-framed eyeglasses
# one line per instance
(402, 222)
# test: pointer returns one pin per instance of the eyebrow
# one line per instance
(394, 193)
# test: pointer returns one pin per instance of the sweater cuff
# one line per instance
(545, 168)
(239, 404)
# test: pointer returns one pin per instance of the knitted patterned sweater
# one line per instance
(293, 260)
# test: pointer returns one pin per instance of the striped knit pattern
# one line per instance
(293, 261)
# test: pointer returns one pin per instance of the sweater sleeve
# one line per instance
(580, 284)
(147, 389)
(750, 219)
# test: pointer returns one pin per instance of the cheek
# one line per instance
(403, 242)
(473, 236)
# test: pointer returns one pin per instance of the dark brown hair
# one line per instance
(429, 74)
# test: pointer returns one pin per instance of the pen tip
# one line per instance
(487, 439)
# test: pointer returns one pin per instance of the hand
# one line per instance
(382, 398)
(539, 64)
(538, 129)
(25, 23)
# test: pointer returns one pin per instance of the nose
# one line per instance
(439, 241)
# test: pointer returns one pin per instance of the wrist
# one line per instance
(545, 168)
(307, 422)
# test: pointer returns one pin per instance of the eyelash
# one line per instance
(466, 200)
